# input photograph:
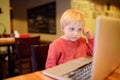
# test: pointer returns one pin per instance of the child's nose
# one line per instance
(75, 33)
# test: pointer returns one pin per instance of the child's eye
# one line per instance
(71, 28)
(80, 29)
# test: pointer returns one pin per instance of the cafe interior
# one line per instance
(27, 27)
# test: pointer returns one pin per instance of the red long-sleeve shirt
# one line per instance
(61, 50)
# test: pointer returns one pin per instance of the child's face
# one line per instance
(72, 32)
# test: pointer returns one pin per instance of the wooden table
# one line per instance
(115, 75)
(31, 76)
(39, 76)
(8, 42)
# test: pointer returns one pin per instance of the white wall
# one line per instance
(5, 16)
(20, 17)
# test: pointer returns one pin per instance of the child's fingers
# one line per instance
(87, 33)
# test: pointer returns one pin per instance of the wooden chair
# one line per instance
(39, 55)
(23, 52)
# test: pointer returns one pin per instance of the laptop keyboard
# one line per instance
(81, 73)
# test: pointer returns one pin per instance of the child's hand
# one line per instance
(87, 33)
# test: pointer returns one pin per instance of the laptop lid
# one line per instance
(107, 47)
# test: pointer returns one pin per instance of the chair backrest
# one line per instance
(39, 56)
(22, 46)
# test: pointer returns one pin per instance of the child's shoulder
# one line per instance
(57, 41)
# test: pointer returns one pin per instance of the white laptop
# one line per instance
(106, 56)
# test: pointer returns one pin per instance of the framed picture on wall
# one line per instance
(42, 19)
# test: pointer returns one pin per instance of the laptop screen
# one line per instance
(107, 47)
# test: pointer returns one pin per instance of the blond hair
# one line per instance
(72, 16)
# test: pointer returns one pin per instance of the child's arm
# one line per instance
(90, 43)
(52, 56)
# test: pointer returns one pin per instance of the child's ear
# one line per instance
(62, 28)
